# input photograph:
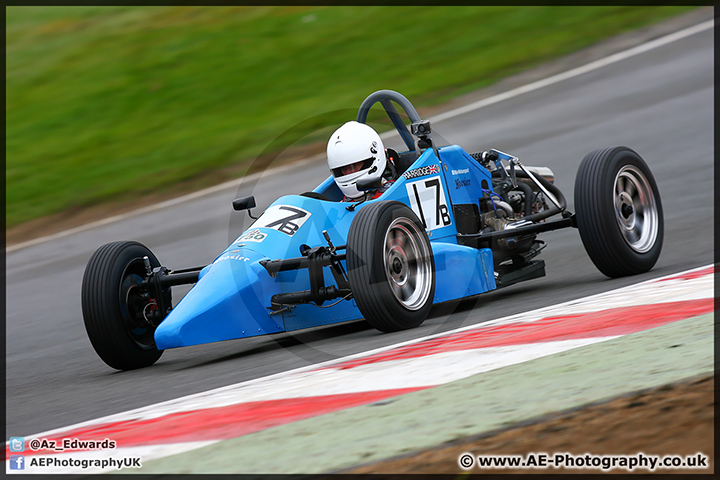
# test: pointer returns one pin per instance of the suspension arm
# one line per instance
(522, 230)
(314, 259)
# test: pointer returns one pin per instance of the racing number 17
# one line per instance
(434, 199)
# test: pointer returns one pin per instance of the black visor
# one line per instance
(337, 172)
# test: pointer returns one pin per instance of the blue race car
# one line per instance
(452, 225)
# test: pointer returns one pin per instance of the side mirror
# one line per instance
(244, 203)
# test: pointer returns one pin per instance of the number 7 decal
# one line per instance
(283, 218)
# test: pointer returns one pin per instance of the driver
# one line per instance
(356, 153)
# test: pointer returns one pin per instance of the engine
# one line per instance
(515, 204)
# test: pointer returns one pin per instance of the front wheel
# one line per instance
(116, 307)
(619, 214)
(390, 266)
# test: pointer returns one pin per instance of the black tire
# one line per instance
(113, 318)
(400, 296)
(619, 213)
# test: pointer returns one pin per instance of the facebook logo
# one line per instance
(17, 444)
(17, 462)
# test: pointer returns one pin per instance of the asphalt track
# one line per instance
(660, 103)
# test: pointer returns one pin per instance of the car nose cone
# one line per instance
(226, 303)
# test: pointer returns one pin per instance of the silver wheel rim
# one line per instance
(407, 263)
(635, 209)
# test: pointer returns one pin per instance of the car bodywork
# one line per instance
(232, 298)
(452, 225)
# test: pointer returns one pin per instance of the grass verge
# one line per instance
(113, 103)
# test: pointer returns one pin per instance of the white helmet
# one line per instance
(355, 152)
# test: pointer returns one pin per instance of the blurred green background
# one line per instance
(112, 103)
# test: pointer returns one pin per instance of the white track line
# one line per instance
(659, 42)
(437, 118)
(157, 206)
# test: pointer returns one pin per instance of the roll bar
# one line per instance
(385, 97)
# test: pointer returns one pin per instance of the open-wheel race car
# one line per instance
(452, 225)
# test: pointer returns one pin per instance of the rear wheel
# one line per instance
(619, 213)
(390, 266)
(116, 308)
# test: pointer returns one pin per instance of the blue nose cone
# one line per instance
(231, 300)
